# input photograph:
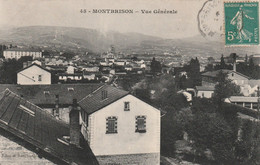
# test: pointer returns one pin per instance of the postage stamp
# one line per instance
(241, 23)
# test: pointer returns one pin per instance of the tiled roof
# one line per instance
(94, 101)
(243, 99)
(34, 64)
(205, 88)
(46, 94)
(31, 124)
(214, 73)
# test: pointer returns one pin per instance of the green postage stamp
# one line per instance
(241, 23)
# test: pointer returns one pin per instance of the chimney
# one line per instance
(235, 65)
(25, 64)
(74, 124)
(29, 63)
(234, 61)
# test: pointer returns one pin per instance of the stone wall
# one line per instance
(12, 153)
(133, 159)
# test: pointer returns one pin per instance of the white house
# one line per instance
(205, 91)
(17, 53)
(236, 77)
(37, 62)
(70, 69)
(66, 76)
(34, 75)
(120, 128)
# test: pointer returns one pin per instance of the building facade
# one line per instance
(205, 91)
(18, 53)
(34, 75)
(128, 128)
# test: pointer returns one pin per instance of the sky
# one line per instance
(67, 13)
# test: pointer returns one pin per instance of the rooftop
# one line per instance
(94, 101)
(25, 49)
(205, 88)
(243, 99)
(214, 73)
(31, 124)
(46, 94)
(34, 64)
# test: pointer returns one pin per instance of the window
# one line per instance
(126, 106)
(111, 125)
(140, 124)
(46, 92)
(40, 78)
(104, 95)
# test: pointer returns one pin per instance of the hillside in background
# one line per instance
(63, 38)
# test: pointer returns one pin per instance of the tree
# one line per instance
(209, 67)
(9, 69)
(209, 131)
(156, 66)
(169, 131)
(193, 72)
(222, 63)
(248, 146)
(233, 56)
(251, 64)
(224, 88)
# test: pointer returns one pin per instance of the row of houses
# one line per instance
(82, 123)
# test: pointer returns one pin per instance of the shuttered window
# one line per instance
(140, 124)
(111, 124)
(126, 106)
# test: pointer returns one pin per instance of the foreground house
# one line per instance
(34, 75)
(28, 133)
(120, 128)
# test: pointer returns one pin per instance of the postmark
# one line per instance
(241, 23)
(210, 20)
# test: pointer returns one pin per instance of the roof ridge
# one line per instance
(32, 65)
(92, 93)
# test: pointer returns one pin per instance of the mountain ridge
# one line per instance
(78, 38)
